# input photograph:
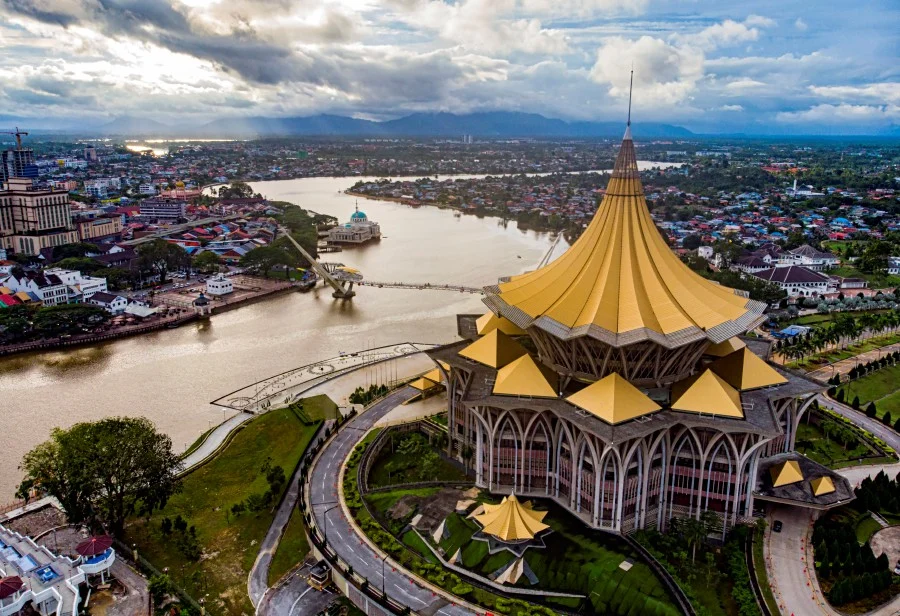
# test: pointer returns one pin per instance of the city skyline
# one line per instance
(761, 67)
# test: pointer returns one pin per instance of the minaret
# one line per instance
(628, 124)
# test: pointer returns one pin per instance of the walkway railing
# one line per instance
(421, 286)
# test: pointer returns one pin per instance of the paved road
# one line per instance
(295, 598)
(330, 518)
(793, 583)
(845, 365)
(214, 439)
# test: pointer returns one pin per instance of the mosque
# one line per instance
(625, 387)
(358, 231)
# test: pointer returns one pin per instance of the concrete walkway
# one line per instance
(845, 365)
(789, 553)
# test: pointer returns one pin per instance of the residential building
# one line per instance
(47, 287)
(17, 163)
(80, 287)
(101, 228)
(34, 217)
(162, 208)
(114, 304)
(808, 257)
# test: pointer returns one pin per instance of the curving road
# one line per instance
(793, 583)
(341, 536)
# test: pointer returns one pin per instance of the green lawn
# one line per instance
(882, 387)
(229, 543)
(876, 281)
(292, 548)
(315, 408)
(828, 357)
(812, 443)
(866, 527)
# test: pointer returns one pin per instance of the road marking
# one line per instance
(294, 604)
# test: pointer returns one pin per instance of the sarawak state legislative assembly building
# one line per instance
(621, 384)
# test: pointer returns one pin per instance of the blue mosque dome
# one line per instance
(358, 216)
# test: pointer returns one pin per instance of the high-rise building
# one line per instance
(90, 154)
(17, 163)
(34, 217)
(162, 208)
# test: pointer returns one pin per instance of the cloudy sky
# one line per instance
(711, 65)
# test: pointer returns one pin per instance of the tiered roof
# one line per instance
(620, 282)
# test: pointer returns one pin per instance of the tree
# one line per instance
(206, 262)
(160, 257)
(871, 410)
(886, 420)
(236, 190)
(67, 319)
(104, 471)
(855, 403)
(692, 242)
(261, 260)
(117, 278)
(85, 265)
(78, 249)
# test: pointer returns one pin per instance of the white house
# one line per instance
(80, 287)
(219, 285)
(48, 287)
(114, 304)
(796, 280)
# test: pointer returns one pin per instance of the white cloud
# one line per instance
(731, 108)
(800, 24)
(727, 33)
(740, 86)
(882, 92)
(832, 114)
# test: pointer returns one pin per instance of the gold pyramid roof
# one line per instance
(524, 377)
(423, 384)
(621, 283)
(822, 485)
(725, 348)
(707, 393)
(511, 520)
(494, 349)
(614, 400)
(490, 321)
(433, 375)
(744, 369)
(786, 473)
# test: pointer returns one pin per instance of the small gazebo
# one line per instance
(512, 525)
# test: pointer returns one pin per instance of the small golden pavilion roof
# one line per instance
(494, 349)
(786, 473)
(744, 370)
(511, 520)
(490, 321)
(423, 384)
(613, 399)
(725, 348)
(621, 283)
(822, 485)
(525, 377)
(707, 393)
(433, 375)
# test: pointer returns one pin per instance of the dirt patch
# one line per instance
(36, 522)
(433, 509)
(887, 540)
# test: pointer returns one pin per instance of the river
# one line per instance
(171, 376)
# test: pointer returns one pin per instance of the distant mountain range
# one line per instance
(499, 124)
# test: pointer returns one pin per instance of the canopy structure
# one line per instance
(423, 384)
(10, 586)
(524, 377)
(743, 369)
(620, 283)
(513, 572)
(94, 545)
(495, 349)
(788, 472)
(489, 321)
(614, 400)
(725, 348)
(822, 485)
(512, 521)
(707, 393)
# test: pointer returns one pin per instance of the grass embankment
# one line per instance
(314, 409)
(812, 442)
(408, 458)
(292, 548)
(866, 526)
(881, 387)
(229, 542)
(818, 360)
(762, 575)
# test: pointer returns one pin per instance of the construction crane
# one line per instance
(18, 133)
(340, 291)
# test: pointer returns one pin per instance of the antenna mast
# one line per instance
(630, 87)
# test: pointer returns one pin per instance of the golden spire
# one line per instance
(621, 283)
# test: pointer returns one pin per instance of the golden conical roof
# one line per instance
(495, 349)
(744, 370)
(786, 473)
(490, 321)
(707, 393)
(524, 377)
(822, 485)
(423, 384)
(512, 520)
(613, 399)
(725, 348)
(620, 282)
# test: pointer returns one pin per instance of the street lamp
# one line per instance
(383, 594)
(325, 523)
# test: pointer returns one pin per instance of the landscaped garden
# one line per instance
(410, 458)
(836, 442)
(207, 536)
(881, 386)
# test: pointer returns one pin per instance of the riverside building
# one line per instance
(620, 384)
(34, 217)
(358, 231)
